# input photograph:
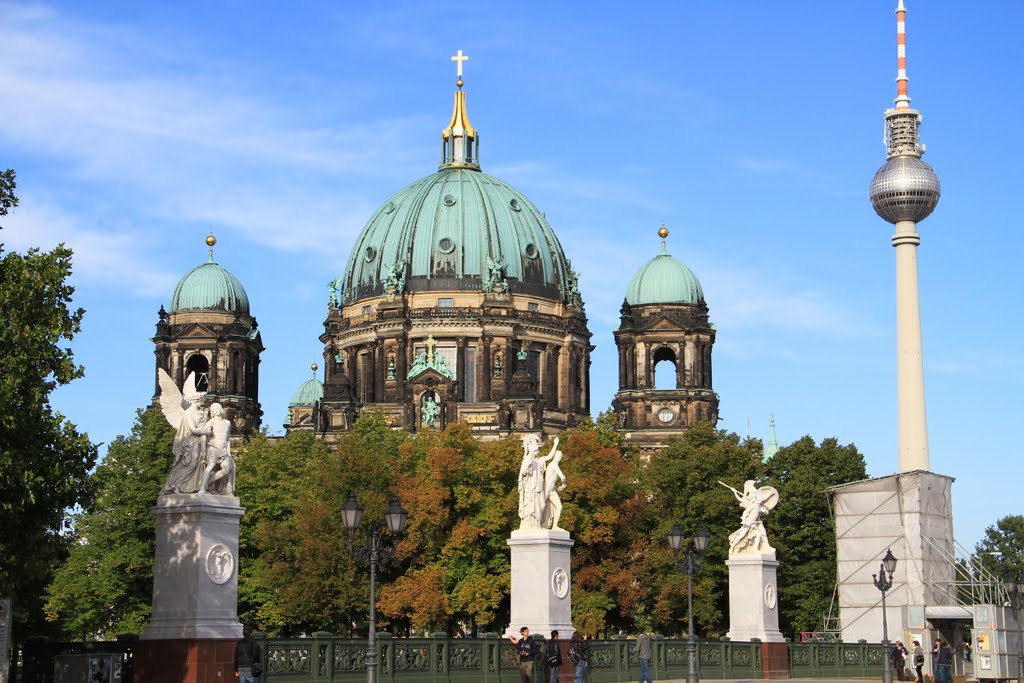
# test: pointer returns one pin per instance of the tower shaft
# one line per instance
(913, 424)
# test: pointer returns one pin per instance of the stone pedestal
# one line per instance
(541, 582)
(195, 577)
(753, 597)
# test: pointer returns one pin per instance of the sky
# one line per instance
(751, 129)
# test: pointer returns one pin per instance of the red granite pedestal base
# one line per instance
(775, 660)
(185, 661)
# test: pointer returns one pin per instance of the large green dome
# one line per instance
(209, 287)
(443, 229)
(664, 280)
(311, 391)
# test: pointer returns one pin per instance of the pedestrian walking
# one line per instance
(898, 657)
(643, 652)
(248, 660)
(918, 660)
(945, 663)
(527, 649)
(579, 656)
(554, 655)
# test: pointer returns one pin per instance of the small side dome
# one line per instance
(664, 280)
(306, 396)
(209, 287)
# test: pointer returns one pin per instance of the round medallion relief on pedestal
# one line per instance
(220, 564)
(769, 596)
(560, 583)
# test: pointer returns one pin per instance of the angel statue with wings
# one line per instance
(185, 412)
(756, 502)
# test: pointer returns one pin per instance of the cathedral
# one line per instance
(457, 304)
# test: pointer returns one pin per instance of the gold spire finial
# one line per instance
(210, 241)
(314, 367)
(663, 233)
(459, 59)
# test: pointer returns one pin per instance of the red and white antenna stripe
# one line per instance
(902, 94)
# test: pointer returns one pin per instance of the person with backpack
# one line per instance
(248, 660)
(554, 656)
(579, 656)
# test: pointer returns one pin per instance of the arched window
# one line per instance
(198, 364)
(665, 369)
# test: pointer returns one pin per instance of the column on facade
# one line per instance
(179, 369)
(401, 366)
(214, 382)
(586, 380)
(484, 365)
(460, 370)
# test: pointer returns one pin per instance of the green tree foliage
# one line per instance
(801, 528)
(8, 200)
(1001, 551)
(682, 482)
(44, 460)
(105, 587)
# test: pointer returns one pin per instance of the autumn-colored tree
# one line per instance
(606, 513)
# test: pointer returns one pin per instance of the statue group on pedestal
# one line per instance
(202, 442)
(540, 480)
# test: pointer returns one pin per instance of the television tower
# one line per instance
(905, 191)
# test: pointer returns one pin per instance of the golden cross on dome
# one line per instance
(459, 59)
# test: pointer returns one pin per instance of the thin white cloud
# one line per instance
(107, 256)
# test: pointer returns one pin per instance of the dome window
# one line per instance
(531, 250)
(370, 254)
(448, 200)
(389, 207)
(515, 205)
(446, 245)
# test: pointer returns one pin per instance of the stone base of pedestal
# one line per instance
(775, 660)
(195, 574)
(753, 598)
(541, 583)
(185, 661)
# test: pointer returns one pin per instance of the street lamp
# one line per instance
(691, 564)
(376, 553)
(1014, 584)
(883, 584)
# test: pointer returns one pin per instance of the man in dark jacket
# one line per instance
(527, 649)
(248, 663)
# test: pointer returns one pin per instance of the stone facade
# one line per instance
(370, 345)
(223, 349)
(648, 335)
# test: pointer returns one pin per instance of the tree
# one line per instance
(682, 480)
(44, 460)
(1001, 551)
(105, 587)
(271, 479)
(801, 528)
(8, 200)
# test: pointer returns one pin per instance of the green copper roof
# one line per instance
(311, 391)
(664, 280)
(210, 288)
(441, 230)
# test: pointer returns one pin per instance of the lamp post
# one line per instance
(691, 564)
(1014, 584)
(375, 553)
(883, 584)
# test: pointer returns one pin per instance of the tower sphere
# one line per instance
(905, 189)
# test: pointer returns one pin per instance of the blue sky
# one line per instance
(751, 129)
